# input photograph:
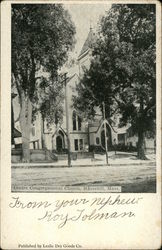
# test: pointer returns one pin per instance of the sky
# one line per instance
(84, 16)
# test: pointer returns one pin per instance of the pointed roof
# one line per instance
(16, 133)
(88, 42)
(57, 131)
(99, 124)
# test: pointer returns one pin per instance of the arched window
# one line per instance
(74, 120)
(97, 140)
(77, 122)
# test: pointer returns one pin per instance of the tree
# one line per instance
(123, 67)
(42, 35)
(50, 106)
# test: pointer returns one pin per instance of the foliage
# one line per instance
(123, 68)
(97, 149)
(51, 105)
(136, 88)
(123, 65)
(42, 35)
(125, 148)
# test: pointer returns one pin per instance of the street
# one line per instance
(131, 178)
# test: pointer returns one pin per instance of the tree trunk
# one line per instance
(25, 124)
(141, 133)
(42, 132)
(141, 145)
(12, 125)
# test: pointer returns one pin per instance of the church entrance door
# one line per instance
(59, 144)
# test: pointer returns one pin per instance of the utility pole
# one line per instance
(67, 122)
(106, 148)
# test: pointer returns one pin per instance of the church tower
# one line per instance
(85, 54)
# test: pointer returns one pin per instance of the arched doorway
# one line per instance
(108, 134)
(58, 140)
(59, 143)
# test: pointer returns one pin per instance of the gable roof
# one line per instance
(100, 123)
(57, 131)
(88, 42)
(16, 133)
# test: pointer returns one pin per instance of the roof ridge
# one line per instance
(88, 42)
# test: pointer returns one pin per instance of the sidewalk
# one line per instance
(120, 159)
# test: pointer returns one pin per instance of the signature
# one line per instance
(83, 216)
(82, 209)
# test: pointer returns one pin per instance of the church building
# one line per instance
(83, 134)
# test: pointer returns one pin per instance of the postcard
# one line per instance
(80, 124)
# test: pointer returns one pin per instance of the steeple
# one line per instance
(88, 42)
